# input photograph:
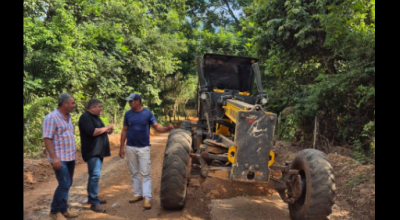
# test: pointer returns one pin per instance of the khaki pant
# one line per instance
(139, 161)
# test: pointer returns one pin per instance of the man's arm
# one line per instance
(55, 161)
(99, 131)
(162, 129)
(109, 131)
(122, 143)
(87, 127)
(49, 127)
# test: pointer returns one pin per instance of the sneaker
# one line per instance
(97, 208)
(146, 204)
(70, 214)
(135, 199)
(57, 216)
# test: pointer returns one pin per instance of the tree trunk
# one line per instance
(165, 111)
(175, 108)
(233, 15)
(330, 65)
(178, 111)
(316, 124)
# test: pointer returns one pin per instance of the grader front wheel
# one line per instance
(315, 186)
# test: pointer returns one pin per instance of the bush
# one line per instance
(34, 114)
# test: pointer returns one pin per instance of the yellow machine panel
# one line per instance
(222, 129)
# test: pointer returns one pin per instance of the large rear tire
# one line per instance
(318, 191)
(186, 125)
(176, 170)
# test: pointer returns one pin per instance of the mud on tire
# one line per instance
(319, 191)
(175, 170)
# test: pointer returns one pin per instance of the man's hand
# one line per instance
(99, 131)
(170, 127)
(56, 163)
(122, 153)
(44, 151)
(110, 129)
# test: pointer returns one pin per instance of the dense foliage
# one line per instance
(317, 59)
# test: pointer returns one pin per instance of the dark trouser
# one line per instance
(64, 177)
(94, 167)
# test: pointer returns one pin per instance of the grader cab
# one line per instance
(233, 140)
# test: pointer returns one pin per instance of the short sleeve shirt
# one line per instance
(138, 124)
(61, 132)
(97, 146)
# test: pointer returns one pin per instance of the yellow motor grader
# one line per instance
(233, 140)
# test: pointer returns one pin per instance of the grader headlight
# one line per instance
(264, 101)
(203, 96)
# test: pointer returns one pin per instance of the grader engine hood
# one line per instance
(253, 140)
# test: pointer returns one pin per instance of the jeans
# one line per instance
(139, 160)
(64, 177)
(94, 167)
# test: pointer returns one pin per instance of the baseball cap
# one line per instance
(134, 96)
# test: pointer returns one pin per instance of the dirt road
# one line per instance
(215, 199)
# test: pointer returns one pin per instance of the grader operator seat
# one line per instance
(228, 72)
(227, 77)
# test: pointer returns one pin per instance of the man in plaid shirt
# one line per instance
(58, 136)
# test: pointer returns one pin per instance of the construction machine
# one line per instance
(233, 140)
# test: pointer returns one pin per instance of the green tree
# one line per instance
(318, 56)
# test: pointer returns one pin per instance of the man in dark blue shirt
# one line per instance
(136, 129)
